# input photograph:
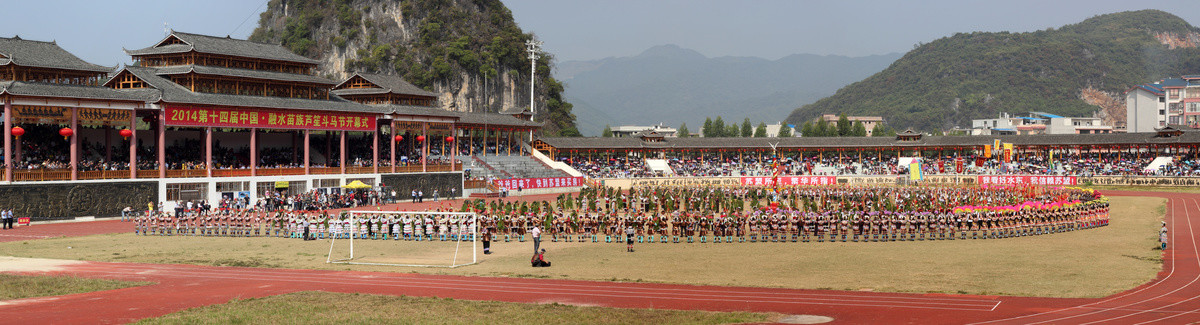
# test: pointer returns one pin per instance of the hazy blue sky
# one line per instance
(591, 29)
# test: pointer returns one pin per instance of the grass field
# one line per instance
(24, 286)
(1089, 263)
(343, 308)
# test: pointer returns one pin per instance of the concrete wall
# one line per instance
(1141, 111)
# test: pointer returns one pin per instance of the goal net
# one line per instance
(404, 238)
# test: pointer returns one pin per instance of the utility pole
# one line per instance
(533, 47)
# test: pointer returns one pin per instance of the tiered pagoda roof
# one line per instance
(180, 42)
(378, 84)
(27, 53)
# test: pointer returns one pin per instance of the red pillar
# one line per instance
(8, 143)
(424, 148)
(307, 138)
(133, 145)
(392, 140)
(17, 151)
(375, 150)
(342, 147)
(162, 143)
(253, 152)
(453, 145)
(74, 143)
(208, 150)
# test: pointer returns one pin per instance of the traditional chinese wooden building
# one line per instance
(197, 106)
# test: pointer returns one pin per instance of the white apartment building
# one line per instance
(1169, 101)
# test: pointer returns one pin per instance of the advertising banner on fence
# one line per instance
(534, 183)
(790, 180)
(267, 118)
(679, 181)
(1027, 180)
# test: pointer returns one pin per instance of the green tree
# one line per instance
(844, 127)
(785, 131)
(859, 129)
(607, 133)
(718, 127)
(881, 130)
(732, 130)
(747, 130)
(761, 130)
(823, 129)
(683, 131)
(806, 130)
(708, 127)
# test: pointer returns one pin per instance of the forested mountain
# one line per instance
(1064, 71)
(670, 84)
(470, 52)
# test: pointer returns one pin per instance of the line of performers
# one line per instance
(304, 224)
(704, 214)
(779, 226)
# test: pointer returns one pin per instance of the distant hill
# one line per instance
(671, 85)
(952, 80)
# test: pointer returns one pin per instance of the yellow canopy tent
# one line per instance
(356, 185)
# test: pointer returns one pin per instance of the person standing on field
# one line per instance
(629, 238)
(487, 240)
(536, 233)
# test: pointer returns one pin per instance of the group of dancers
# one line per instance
(306, 224)
(704, 214)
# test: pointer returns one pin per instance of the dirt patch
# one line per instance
(22, 264)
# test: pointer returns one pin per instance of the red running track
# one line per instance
(1172, 298)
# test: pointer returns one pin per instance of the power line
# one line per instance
(239, 26)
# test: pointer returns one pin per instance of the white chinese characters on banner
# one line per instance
(1027, 180)
(534, 183)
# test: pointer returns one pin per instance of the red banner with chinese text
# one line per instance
(1026, 180)
(267, 118)
(790, 180)
(532, 183)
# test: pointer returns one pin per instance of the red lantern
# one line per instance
(399, 138)
(18, 132)
(66, 133)
(450, 139)
(126, 133)
(420, 138)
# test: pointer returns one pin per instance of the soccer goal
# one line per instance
(404, 238)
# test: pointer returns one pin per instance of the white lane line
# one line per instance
(577, 293)
(1194, 279)
(402, 277)
(1174, 218)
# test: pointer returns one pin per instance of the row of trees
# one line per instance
(843, 128)
(718, 129)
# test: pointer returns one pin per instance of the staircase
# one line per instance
(520, 167)
(481, 168)
(1159, 162)
(661, 166)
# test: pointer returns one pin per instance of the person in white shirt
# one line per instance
(536, 233)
